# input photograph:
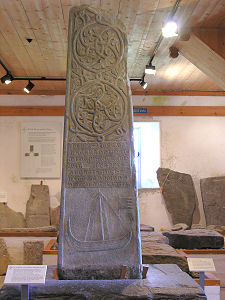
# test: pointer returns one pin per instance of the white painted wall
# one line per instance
(193, 145)
(18, 189)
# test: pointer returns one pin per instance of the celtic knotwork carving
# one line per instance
(96, 45)
(97, 110)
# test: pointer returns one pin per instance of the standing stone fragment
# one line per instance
(33, 252)
(213, 197)
(99, 225)
(4, 257)
(10, 218)
(55, 213)
(179, 194)
(38, 207)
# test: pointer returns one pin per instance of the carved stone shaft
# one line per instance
(99, 223)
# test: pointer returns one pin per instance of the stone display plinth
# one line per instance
(162, 282)
(99, 225)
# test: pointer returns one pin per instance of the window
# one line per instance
(147, 153)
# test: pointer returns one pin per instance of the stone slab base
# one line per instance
(162, 282)
(100, 273)
(195, 239)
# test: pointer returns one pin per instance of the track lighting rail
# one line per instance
(150, 69)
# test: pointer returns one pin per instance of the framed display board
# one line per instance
(40, 149)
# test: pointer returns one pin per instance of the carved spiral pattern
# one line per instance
(97, 47)
(98, 103)
(97, 109)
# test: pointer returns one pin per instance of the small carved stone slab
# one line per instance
(38, 206)
(10, 218)
(179, 194)
(213, 197)
(195, 239)
(4, 257)
(33, 252)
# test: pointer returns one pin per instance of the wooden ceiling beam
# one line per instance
(134, 92)
(147, 111)
(203, 57)
(213, 37)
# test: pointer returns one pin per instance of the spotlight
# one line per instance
(150, 69)
(170, 29)
(143, 84)
(7, 79)
(29, 87)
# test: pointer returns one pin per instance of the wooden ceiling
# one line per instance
(200, 66)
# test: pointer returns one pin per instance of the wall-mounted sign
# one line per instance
(140, 110)
(40, 149)
(3, 197)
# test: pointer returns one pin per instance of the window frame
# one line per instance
(138, 172)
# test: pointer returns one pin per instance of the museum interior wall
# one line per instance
(192, 145)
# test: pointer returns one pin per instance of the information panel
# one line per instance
(40, 149)
(196, 264)
(28, 274)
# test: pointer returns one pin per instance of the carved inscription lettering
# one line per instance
(98, 164)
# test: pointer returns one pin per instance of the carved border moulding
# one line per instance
(99, 222)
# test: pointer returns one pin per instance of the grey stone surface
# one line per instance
(9, 218)
(146, 228)
(198, 226)
(155, 250)
(195, 239)
(156, 237)
(35, 229)
(38, 207)
(99, 224)
(55, 213)
(162, 282)
(213, 198)
(33, 252)
(4, 257)
(179, 194)
(180, 226)
(218, 228)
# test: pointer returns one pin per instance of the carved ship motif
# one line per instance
(100, 241)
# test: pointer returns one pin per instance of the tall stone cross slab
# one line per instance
(99, 223)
